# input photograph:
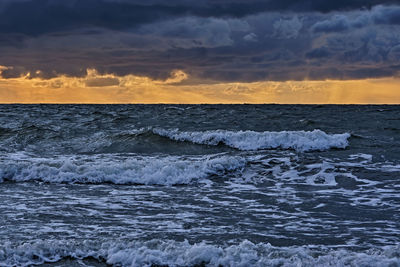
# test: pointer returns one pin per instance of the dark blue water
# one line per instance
(186, 185)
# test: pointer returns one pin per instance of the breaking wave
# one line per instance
(167, 170)
(172, 253)
(41, 139)
(250, 140)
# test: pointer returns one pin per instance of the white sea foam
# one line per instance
(174, 253)
(250, 140)
(167, 170)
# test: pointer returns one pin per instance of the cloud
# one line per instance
(177, 76)
(378, 15)
(210, 41)
(386, 14)
(101, 82)
(135, 89)
(287, 28)
(251, 37)
(12, 72)
(188, 32)
(337, 23)
(325, 6)
(2, 68)
(394, 53)
(318, 53)
(35, 17)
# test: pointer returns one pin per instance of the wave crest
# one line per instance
(250, 140)
(168, 170)
(173, 253)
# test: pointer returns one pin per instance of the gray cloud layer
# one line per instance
(221, 40)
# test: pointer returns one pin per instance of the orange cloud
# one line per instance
(109, 88)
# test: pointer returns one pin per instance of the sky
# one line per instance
(200, 51)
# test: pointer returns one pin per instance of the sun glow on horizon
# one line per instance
(178, 89)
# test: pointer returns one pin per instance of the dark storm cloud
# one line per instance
(320, 52)
(44, 16)
(35, 17)
(220, 40)
(379, 15)
(337, 24)
(387, 15)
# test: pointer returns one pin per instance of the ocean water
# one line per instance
(199, 185)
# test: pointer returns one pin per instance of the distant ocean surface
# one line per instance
(199, 185)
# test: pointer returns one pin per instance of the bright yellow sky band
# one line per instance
(109, 88)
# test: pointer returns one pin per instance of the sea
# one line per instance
(199, 185)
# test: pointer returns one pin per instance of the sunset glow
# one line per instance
(110, 88)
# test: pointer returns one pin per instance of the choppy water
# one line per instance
(185, 185)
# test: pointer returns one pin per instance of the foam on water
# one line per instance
(161, 170)
(244, 178)
(250, 140)
(173, 253)
(175, 170)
